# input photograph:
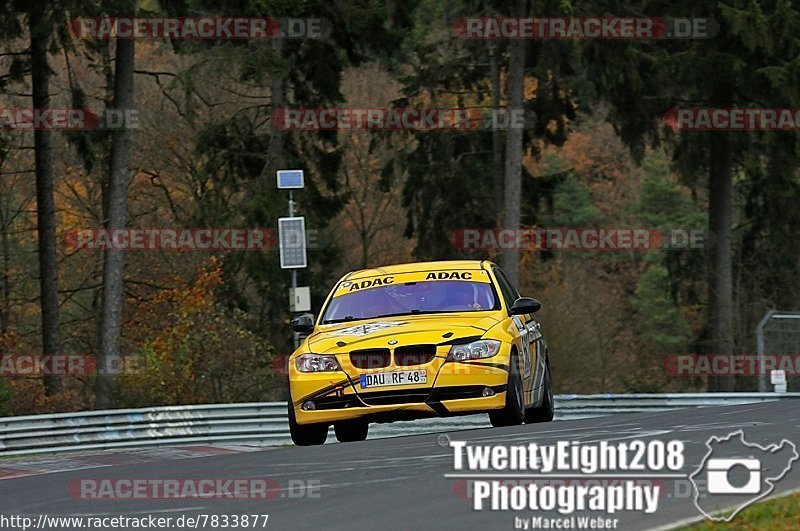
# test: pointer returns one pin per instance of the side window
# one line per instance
(508, 291)
(510, 285)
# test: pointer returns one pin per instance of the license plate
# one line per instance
(380, 379)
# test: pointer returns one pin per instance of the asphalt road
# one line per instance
(400, 483)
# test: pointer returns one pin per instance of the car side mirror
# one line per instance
(303, 324)
(525, 305)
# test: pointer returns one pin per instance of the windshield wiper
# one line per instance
(382, 316)
(342, 320)
(412, 312)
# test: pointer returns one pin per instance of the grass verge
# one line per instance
(779, 514)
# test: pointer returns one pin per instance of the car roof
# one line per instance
(442, 265)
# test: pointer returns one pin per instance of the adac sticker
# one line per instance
(369, 283)
(365, 329)
(449, 275)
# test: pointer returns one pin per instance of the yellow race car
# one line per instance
(418, 340)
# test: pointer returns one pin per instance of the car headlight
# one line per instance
(316, 363)
(483, 348)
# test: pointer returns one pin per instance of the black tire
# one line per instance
(351, 430)
(546, 409)
(513, 414)
(306, 434)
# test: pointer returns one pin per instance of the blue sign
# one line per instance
(290, 179)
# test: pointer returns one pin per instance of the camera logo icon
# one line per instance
(719, 476)
(736, 473)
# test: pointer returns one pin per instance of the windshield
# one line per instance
(411, 298)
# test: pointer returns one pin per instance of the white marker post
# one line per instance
(777, 377)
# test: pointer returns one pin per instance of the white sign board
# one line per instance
(777, 377)
(300, 299)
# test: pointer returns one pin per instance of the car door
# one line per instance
(530, 338)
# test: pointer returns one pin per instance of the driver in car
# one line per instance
(462, 298)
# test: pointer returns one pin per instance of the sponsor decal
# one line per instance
(364, 284)
(349, 286)
(366, 329)
(449, 275)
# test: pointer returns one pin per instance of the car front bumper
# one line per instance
(452, 389)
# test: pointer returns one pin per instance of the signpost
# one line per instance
(292, 243)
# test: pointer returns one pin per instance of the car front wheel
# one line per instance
(351, 430)
(514, 411)
(545, 411)
(306, 434)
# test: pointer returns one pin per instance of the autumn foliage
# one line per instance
(192, 350)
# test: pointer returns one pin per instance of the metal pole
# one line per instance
(295, 335)
(762, 376)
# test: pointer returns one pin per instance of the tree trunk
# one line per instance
(514, 137)
(114, 259)
(720, 279)
(5, 311)
(497, 133)
(45, 204)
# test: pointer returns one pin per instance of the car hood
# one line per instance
(405, 330)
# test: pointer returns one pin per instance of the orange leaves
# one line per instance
(28, 398)
(189, 297)
(170, 317)
(192, 350)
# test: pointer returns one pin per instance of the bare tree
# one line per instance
(117, 202)
(720, 272)
(514, 151)
(372, 220)
(497, 134)
(39, 26)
